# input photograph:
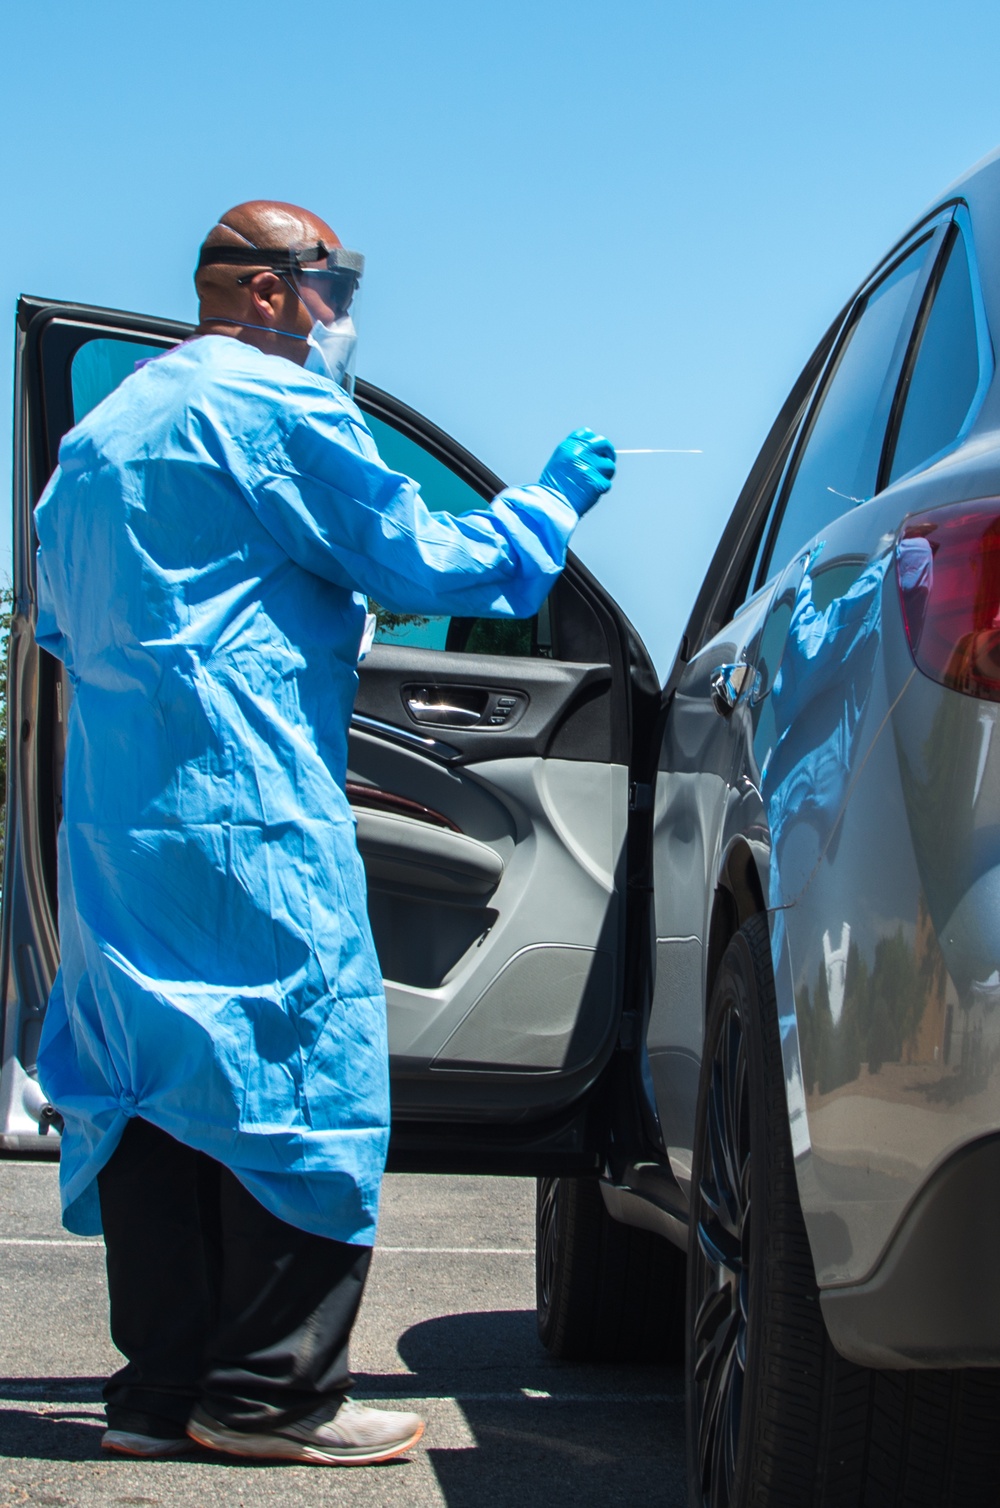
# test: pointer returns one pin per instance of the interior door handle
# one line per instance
(441, 713)
(729, 683)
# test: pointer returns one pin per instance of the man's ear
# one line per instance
(265, 290)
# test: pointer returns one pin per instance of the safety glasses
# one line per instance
(332, 273)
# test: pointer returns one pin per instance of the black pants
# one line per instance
(213, 1298)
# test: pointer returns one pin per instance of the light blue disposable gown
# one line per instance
(203, 548)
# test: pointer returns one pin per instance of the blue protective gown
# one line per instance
(203, 548)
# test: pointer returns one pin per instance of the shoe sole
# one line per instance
(124, 1443)
(281, 1448)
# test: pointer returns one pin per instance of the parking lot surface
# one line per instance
(447, 1328)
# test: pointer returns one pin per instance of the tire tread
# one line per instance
(824, 1432)
(618, 1292)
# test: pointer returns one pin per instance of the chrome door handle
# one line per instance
(441, 712)
(729, 683)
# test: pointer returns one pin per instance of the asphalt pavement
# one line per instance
(447, 1328)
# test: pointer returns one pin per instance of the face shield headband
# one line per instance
(328, 291)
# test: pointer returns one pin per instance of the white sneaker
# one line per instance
(127, 1442)
(344, 1434)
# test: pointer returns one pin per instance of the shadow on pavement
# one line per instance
(500, 1347)
(571, 1435)
(566, 1456)
(481, 1339)
(62, 1435)
(52, 1389)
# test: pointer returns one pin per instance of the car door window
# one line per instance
(99, 365)
(944, 368)
(836, 465)
(445, 492)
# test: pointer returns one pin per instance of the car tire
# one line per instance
(604, 1291)
(776, 1418)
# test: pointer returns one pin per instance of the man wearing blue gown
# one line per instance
(216, 1039)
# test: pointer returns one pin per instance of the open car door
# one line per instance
(489, 771)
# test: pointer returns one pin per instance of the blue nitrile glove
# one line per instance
(582, 468)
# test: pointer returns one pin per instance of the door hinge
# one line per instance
(640, 796)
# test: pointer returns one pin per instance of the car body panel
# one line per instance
(874, 846)
(898, 1031)
(698, 787)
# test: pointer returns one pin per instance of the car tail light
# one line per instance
(948, 569)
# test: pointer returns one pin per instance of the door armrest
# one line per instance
(411, 852)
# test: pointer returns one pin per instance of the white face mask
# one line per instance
(332, 349)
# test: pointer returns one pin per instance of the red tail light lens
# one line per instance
(948, 569)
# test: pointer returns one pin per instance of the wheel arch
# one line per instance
(739, 894)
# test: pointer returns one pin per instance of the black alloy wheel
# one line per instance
(546, 1242)
(720, 1263)
(776, 1418)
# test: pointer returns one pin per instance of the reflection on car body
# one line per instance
(686, 953)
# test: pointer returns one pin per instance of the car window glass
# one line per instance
(444, 492)
(945, 371)
(755, 580)
(838, 466)
(99, 365)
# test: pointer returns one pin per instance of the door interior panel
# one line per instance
(409, 851)
(456, 697)
(500, 947)
(506, 1026)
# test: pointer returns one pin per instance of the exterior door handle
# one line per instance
(729, 683)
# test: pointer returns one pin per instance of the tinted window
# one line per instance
(100, 365)
(444, 492)
(838, 466)
(945, 373)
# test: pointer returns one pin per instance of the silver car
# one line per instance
(717, 962)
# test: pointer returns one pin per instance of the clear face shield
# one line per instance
(327, 282)
(330, 288)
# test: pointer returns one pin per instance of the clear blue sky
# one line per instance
(639, 216)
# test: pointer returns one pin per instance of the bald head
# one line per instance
(266, 224)
(233, 300)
